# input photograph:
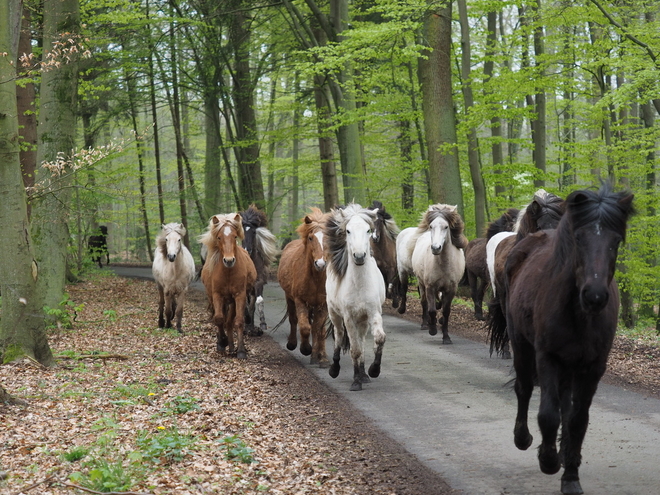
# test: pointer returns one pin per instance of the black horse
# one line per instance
(561, 311)
(261, 244)
(98, 246)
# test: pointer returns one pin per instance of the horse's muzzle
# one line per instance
(319, 264)
(360, 258)
(229, 262)
(436, 250)
(171, 257)
(594, 299)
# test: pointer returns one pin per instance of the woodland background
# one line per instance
(132, 114)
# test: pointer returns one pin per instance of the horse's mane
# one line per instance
(544, 204)
(503, 224)
(166, 229)
(254, 217)
(391, 229)
(335, 234)
(266, 244)
(450, 214)
(311, 222)
(588, 207)
(209, 237)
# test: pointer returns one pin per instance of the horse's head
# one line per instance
(311, 233)
(543, 213)
(173, 236)
(227, 229)
(445, 225)
(359, 230)
(252, 219)
(598, 224)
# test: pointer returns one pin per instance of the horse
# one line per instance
(229, 276)
(542, 213)
(302, 276)
(173, 270)
(98, 246)
(383, 245)
(355, 289)
(261, 244)
(438, 261)
(405, 243)
(475, 259)
(561, 313)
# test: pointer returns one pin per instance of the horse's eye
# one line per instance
(348, 231)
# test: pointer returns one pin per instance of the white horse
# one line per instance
(173, 270)
(438, 261)
(405, 243)
(355, 289)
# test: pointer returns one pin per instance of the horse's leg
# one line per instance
(338, 325)
(447, 299)
(549, 416)
(239, 325)
(305, 328)
(318, 336)
(219, 321)
(169, 309)
(249, 312)
(161, 306)
(584, 388)
(523, 363)
(379, 341)
(292, 341)
(394, 288)
(181, 297)
(429, 310)
(359, 376)
(260, 308)
(403, 293)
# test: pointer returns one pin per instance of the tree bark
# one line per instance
(495, 121)
(438, 109)
(22, 324)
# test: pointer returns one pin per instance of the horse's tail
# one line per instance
(280, 323)
(497, 330)
(345, 341)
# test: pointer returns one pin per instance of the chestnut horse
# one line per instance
(301, 275)
(562, 309)
(228, 275)
(475, 259)
(383, 245)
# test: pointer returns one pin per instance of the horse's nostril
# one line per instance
(594, 299)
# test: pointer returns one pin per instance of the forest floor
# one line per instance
(134, 409)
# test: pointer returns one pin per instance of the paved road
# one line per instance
(448, 405)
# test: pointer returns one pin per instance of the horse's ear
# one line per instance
(215, 220)
(625, 203)
(238, 219)
(307, 219)
(162, 226)
(534, 208)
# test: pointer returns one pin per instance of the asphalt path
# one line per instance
(449, 405)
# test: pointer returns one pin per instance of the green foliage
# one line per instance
(165, 446)
(104, 476)
(181, 405)
(75, 454)
(11, 353)
(236, 450)
(64, 315)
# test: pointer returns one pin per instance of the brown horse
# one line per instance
(228, 275)
(475, 259)
(383, 246)
(302, 277)
(543, 213)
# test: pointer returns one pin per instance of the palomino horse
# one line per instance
(173, 270)
(383, 245)
(301, 275)
(561, 312)
(438, 262)
(261, 244)
(544, 212)
(475, 259)
(355, 288)
(228, 275)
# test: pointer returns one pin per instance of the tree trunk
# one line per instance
(438, 109)
(212, 161)
(56, 139)
(22, 324)
(473, 144)
(540, 102)
(495, 121)
(407, 181)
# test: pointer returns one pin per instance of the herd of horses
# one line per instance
(550, 266)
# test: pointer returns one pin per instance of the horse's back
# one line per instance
(404, 249)
(475, 257)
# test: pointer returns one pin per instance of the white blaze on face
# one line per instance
(227, 230)
(598, 228)
(320, 262)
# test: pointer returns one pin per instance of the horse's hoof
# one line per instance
(334, 370)
(305, 349)
(479, 317)
(401, 309)
(161, 323)
(548, 460)
(324, 363)
(263, 327)
(356, 386)
(314, 360)
(432, 330)
(571, 487)
(364, 378)
(222, 342)
(241, 355)
(291, 346)
(374, 370)
(446, 340)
